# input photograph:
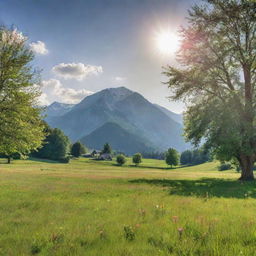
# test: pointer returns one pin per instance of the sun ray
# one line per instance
(167, 42)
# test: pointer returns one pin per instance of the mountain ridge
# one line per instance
(129, 110)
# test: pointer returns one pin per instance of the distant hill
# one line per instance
(130, 111)
(176, 117)
(119, 139)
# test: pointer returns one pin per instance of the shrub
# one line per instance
(225, 167)
(65, 160)
(35, 249)
(120, 159)
(129, 233)
(77, 149)
(18, 156)
(137, 158)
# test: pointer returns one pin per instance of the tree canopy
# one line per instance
(120, 159)
(106, 149)
(21, 128)
(55, 146)
(77, 149)
(196, 156)
(137, 158)
(216, 78)
(172, 157)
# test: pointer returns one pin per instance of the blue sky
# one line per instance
(89, 45)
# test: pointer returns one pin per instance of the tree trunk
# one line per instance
(246, 163)
(8, 159)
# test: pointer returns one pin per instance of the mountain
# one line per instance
(176, 117)
(58, 109)
(119, 139)
(130, 111)
(91, 113)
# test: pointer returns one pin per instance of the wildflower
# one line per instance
(137, 225)
(54, 237)
(102, 234)
(180, 231)
(142, 212)
(175, 219)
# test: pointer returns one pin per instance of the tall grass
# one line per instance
(96, 208)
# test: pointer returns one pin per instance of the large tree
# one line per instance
(55, 146)
(216, 77)
(21, 128)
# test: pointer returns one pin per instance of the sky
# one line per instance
(84, 46)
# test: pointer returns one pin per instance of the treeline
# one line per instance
(57, 146)
(187, 157)
(154, 155)
(194, 157)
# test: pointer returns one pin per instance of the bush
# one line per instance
(129, 233)
(225, 167)
(18, 156)
(137, 158)
(65, 160)
(120, 159)
(77, 149)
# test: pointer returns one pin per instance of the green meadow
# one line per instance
(96, 208)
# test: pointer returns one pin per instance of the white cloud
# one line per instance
(73, 96)
(77, 71)
(39, 47)
(43, 100)
(120, 79)
(53, 90)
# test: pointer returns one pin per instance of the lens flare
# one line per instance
(167, 42)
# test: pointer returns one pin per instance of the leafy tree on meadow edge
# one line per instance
(196, 156)
(217, 79)
(55, 146)
(154, 155)
(120, 159)
(186, 157)
(137, 159)
(21, 128)
(106, 149)
(172, 157)
(77, 149)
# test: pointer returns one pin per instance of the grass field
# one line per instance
(96, 208)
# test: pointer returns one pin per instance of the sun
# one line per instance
(167, 42)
